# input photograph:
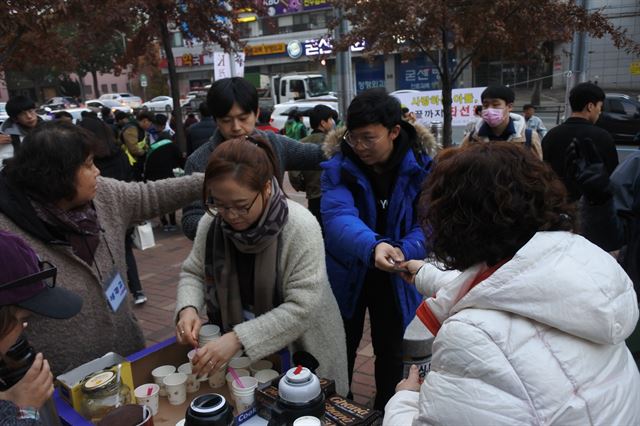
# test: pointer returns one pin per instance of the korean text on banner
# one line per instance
(224, 68)
(427, 105)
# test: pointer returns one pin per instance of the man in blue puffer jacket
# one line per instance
(370, 187)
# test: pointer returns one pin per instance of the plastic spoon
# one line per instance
(236, 378)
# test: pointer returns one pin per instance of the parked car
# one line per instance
(281, 111)
(60, 102)
(159, 103)
(124, 99)
(96, 105)
(3, 113)
(621, 117)
(76, 113)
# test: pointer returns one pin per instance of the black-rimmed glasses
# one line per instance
(213, 208)
(47, 275)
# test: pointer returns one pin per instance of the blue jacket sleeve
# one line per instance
(346, 234)
(413, 244)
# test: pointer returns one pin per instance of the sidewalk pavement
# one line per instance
(159, 269)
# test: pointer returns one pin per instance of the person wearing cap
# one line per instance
(22, 118)
(27, 286)
(51, 195)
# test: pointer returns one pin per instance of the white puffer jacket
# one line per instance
(539, 342)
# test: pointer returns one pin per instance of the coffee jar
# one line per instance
(210, 409)
(103, 391)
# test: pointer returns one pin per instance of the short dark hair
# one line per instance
(318, 114)
(59, 114)
(18, 104)
(121, 115)
(204, 110)
(374, 106)
(145, 115)
(106, 112)
(160, 120)
(227, 91)
(583, 94)
(265, 116)
(528, 106)
(499, 91)
(48, 159)
(405, 110)
(484, 201)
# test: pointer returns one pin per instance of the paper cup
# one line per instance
(176, 385)
(217, 378)
(193, 385)
(151, 400)
(244, 397)
(241, 373)
(242, 363)
(266, 376)
(159, 374)
(307, 421)
(190, 356)
(209, 330)
(261, 364)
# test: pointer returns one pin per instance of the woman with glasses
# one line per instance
(257, 270)
(27, 285)
(51, 195)
(369, 189)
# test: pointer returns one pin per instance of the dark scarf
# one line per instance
(263, 240)
(79, 226)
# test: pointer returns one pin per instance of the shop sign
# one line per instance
(427, 105)
(634, 68)
(294, 49)
(226, 65)
(315, 47)
(265, 49)
(369, 75)
(285, 7)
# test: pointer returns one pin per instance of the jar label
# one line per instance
(99, 380)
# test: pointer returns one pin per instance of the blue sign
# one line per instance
(416, 74)
(369, 75)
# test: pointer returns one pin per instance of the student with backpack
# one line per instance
(134, 142)
(499, 123)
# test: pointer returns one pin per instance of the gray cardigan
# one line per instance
(308, 319)
(97, 330)
(291, 155)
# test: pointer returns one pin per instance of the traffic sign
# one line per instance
(143, 80)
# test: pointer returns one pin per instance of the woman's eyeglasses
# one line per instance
(213, 208)
(47, 275)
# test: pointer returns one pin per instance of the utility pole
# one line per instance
(577, 72)
(343, 66)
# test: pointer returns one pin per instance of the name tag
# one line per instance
(116, 292)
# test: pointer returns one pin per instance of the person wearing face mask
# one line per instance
(498, 123)
(322, 122)
(257, 270)
(27, 286)
(586, 100)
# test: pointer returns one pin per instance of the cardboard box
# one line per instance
(141, 365)
(69, 382)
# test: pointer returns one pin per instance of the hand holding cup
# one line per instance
(188, 327)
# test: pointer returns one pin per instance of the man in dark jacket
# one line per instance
(586, 101)
(200, 132)
(369, 190)
(234, 104)
(22, 118)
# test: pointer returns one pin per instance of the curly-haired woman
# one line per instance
(532, 330)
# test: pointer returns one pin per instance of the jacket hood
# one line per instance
(426, 139)
(558, 279)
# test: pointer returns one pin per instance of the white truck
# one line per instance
(295, 87)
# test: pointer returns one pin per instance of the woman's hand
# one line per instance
(35, 388)
(411, 383)
(411, 268)
(188, 327)
(214, 355)
(387, 257)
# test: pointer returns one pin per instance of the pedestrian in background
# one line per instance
(264, 121)
(322, 122)
(586, 100)
(370, 186)
(294, 127)
(199, 133)
(499, 123)
(22, 119)
(533, 121)
(532, 330)
(191, 120)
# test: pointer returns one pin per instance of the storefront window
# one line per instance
(176, 40)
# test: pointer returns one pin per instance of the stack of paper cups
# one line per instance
(208, 333)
